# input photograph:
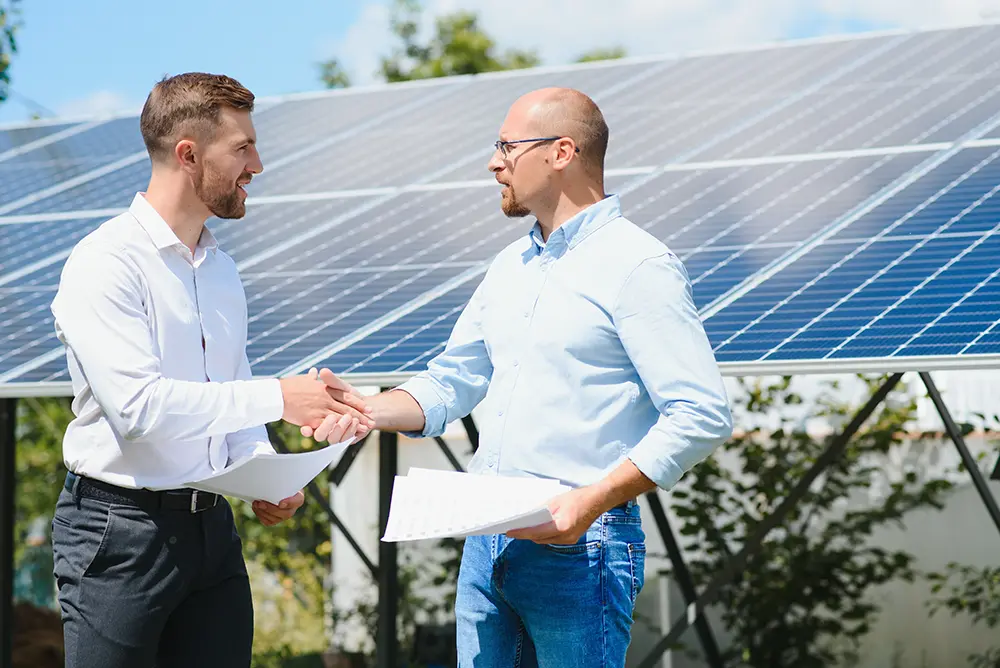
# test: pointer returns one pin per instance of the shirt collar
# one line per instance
(580, 226)
(158, 230)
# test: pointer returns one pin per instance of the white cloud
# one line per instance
(101, 103)
(560, 30)
(365, 42)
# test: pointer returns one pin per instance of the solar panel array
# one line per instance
(835, 203)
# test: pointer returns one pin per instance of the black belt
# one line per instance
(189, 500)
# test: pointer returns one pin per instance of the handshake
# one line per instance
(325, 407)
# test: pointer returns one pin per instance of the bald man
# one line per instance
(584, 346)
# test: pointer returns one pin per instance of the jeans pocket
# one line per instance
(637, 563)
(585, 547)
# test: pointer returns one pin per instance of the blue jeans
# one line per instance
(521, 604)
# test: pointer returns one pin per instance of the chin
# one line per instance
(514, 209)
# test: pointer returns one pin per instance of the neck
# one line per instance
(179, 207)
(569, 202)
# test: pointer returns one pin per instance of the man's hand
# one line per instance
(309, 400)
(326, 430)
(572, 514)
(270, 514)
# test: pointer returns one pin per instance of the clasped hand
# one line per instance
(320, 402)
(323, 403)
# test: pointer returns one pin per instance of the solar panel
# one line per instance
(15, 138)
(833, 202)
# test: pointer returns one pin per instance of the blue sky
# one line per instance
(88, 57)
(86, 49)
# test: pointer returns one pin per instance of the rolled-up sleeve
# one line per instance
(456, 380)
(660, 329)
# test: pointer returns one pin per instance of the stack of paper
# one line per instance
(270, 477)
(439, 504)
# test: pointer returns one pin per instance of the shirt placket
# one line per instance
(195, 263)
(521, 339)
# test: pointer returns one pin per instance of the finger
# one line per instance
(292, 502)
(355, 401)
(345, 392)
(531, 533)
(306, 430)
(322, 433)
(266, 518)
(338, 407)
(313, 373)
(332, 381)
(339, 432)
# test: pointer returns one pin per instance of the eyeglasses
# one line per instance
(502, 145)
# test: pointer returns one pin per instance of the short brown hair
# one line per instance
(188, 104)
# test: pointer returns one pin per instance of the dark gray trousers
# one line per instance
(150, 587)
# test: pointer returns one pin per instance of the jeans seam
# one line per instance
(520, 644)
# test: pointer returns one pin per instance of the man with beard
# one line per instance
(154, 320)
(584, 343)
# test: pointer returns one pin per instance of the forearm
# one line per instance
(622, 484)
(396, 410)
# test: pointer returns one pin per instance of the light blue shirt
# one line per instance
(585, 350)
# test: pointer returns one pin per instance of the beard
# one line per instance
(509, 204)
(221, 196)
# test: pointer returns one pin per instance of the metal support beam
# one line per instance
(312, 490)
(956, 437)
(346, 459)
(386, 638)
(754, 542)
(472, 431)
(8, 460)
(455, 464)
(684, 581)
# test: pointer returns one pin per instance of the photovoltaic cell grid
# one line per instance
(804, 187)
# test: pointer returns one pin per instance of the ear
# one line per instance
(565, 151)
(186, 154)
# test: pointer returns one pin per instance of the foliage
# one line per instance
(9, 23)
(332, 74)
(458, 46)
(594, 55)
(802, 600)
(40, 472)
(974, 592)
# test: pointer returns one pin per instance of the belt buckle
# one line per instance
(194, 502)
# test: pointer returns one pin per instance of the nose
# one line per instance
(496, 163)
(255, 166)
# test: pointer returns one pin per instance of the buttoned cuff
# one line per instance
(433, 406)
(266, 400)
(650, 458)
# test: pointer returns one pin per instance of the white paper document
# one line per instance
(270, 477)
(438, 504)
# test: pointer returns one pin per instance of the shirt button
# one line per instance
(516, 362)
(499, 413)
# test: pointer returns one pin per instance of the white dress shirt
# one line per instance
(155, 341)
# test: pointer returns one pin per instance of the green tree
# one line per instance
(974, 592)
(594, 55)
(333, 75)
(9, 22)
(802, 600)
(458, 46)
